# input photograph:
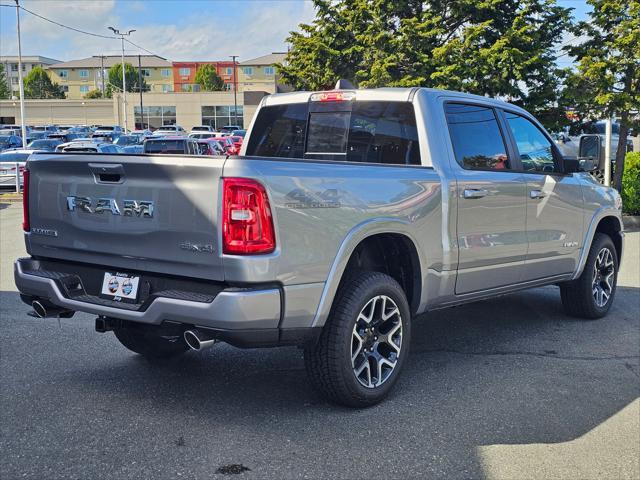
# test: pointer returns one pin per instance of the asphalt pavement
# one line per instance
(509, 388)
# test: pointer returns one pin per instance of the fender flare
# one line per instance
(600, 214)
(355, 236)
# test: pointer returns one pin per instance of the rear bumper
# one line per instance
(231, 309)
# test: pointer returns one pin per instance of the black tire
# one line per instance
(148, 343)
(329, 362)
(577, 295)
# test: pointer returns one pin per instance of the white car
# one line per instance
(169, 130)
(88, 146)
(8, 161)
(202, 129)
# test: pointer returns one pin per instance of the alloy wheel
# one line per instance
(603, 273)
(376, 341)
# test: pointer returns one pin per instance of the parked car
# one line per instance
(45, 144)
(169, 130)
(142, 133)
(210, 147)
(113, 131)
(16, 132)
(103, 137)
(8, 141)
(35, 135)
(237, 143)
(171, 145)
(64, 128)
(81, 130)
(202, 128)
(204, 135)
(227, 144)
(44, 128)
(64, 137)
(349, 213)
(227, 129)
(87, 146)
(239, 133)
(130, 143)
(8, 160)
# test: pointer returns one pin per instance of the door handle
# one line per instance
(537, 194)
(474, 193)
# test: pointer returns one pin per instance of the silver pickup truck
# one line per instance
(347, 214)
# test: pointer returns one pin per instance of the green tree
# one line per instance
(5, 91)
(208, 79)
(132, 78)
(607, 79)
(37, 84)
(503, 48)
(95, 93)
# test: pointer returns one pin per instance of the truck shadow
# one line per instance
(510, 370)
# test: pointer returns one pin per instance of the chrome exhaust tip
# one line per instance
(198, 340)
(44, 309)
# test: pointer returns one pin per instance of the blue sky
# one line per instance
(175, 29)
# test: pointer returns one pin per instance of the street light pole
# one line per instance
(235, 90)
(124, 81)
(21, 84)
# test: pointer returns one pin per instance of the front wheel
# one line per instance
(591, 294)
(364, 344)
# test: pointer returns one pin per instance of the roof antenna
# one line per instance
(343, 84)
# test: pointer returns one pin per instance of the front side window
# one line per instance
(372, 132)
(476, 137)
(534, 148)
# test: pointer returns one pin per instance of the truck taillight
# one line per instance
(25, 201)
(247, 225)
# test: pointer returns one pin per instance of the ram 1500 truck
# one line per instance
(347, 214)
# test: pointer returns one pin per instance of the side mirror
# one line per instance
(590, 153)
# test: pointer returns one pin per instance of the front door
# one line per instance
(554, 203)
(491, 231)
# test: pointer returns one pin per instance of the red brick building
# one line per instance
(184, 74)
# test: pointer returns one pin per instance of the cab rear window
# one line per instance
(368, 131)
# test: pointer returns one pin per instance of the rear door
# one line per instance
(147, 213)
(491, 229)
(554, 202)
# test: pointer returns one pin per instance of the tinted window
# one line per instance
(376, 132)
(279, 131)
(476, 138)
(533, 147)
(164, 146)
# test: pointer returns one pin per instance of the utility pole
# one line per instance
(142, 127)
(124, 81)
(235, 90)
(21, 84)
(607, 151)
(102, 57)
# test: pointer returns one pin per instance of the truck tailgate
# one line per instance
(147, 213)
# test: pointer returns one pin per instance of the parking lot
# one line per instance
(509, 388)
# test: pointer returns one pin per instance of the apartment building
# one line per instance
(79, 77)
(184, 74)
(29, 62)
(259, 74)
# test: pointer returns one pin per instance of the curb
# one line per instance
(10, 198)
(631, 223)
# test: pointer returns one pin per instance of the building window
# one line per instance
(84, 89)
(165, 72)
(154, 117)
(14, 80)
(14, 67)
(228, 71)
(146, 72)
(185, 72)
(83, 73)
(247, 70)
(166, 88)
(269, 70)
(228, 86)
(65, 88)
(186, 87)
(222, 115)
(63, 73)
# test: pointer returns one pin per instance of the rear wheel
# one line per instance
(150, 343)
(364, 344)
(591, 294)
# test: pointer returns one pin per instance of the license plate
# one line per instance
(120, 286)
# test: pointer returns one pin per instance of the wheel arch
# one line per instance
(605, 221)
(359, 248)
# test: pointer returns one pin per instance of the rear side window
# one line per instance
(477, 141)
(367, 131)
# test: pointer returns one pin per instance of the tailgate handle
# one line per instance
(107, 172)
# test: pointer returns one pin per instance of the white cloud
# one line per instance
(201, 35)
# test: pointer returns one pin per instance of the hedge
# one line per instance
(631, 184)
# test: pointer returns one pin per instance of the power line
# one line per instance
(68, 27)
